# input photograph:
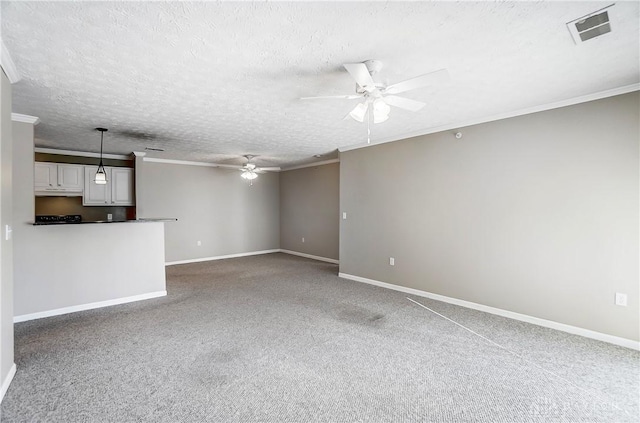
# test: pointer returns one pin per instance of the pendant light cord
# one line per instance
(101, 141)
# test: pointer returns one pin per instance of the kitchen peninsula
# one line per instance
(62, 268)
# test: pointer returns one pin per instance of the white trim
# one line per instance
(8, 66)
(89, 306)
(178, 162)
(7, 381)
(623, 342)
(324, 162)
(17, 117)
(80, 153)
(197, 260)
(564, 103)
(295, 253)
(139, 153)
(191, 163)
(258, 168)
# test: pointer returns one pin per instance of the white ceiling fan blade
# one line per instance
(360, 73)
(436, 77)
(323, 97)
(404, 103)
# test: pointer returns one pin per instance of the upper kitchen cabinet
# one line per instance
(58, 179)
(122, 186)
(118, 191)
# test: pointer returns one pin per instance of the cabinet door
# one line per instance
(70, 177)
(94, 194)
(122, 186)
(45, 176)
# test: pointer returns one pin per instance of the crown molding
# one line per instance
(549, 106)
(178, 162)
(258, 168)
(17, 117)
(8, 66)
(314, 164)
(190, 163)
(80, 153)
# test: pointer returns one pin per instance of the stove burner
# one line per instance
(70, 218)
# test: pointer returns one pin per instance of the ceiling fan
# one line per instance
(377, 96)
(250, 170)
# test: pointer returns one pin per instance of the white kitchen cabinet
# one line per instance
(122, 186)
(58, 179)
(71, 177)
(118, 191)
(45, 176)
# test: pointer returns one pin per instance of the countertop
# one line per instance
(139, 220)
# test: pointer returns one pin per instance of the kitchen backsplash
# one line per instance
(73, 205)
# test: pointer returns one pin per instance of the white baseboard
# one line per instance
(89, 306)
(197, 260)
(295, 253)
(7, 381)
(623, 342)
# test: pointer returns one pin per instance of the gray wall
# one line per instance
(309, 209)
(6, 247)
(23, 199)
(213, 205)
(535, 214)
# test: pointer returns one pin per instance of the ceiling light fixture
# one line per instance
(359, 111)
(101, 174)
(380, 111)
(249, 172)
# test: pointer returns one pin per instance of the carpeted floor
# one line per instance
(278, 338)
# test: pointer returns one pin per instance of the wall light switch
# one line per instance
(199, 243)
(621, 299)
(344, 215)
(392, 261)
(7, 232)
(302, 239)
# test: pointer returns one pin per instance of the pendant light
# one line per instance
(101, 174)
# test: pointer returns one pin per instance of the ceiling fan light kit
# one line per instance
(359, 112)
(249, 175)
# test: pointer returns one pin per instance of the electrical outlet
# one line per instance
(109, 217)
(199, 243)
(621, 299)
(392, 261)
(303, 239)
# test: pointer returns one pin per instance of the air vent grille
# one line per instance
(590, 26)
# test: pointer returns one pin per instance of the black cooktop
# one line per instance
(68, 218)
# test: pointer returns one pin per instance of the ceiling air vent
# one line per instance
(591, 25)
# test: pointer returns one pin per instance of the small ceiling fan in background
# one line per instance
(250, 170)
(377, 96)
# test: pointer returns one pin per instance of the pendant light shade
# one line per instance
(101, 174)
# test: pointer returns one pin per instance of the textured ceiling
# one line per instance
(213, 81)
